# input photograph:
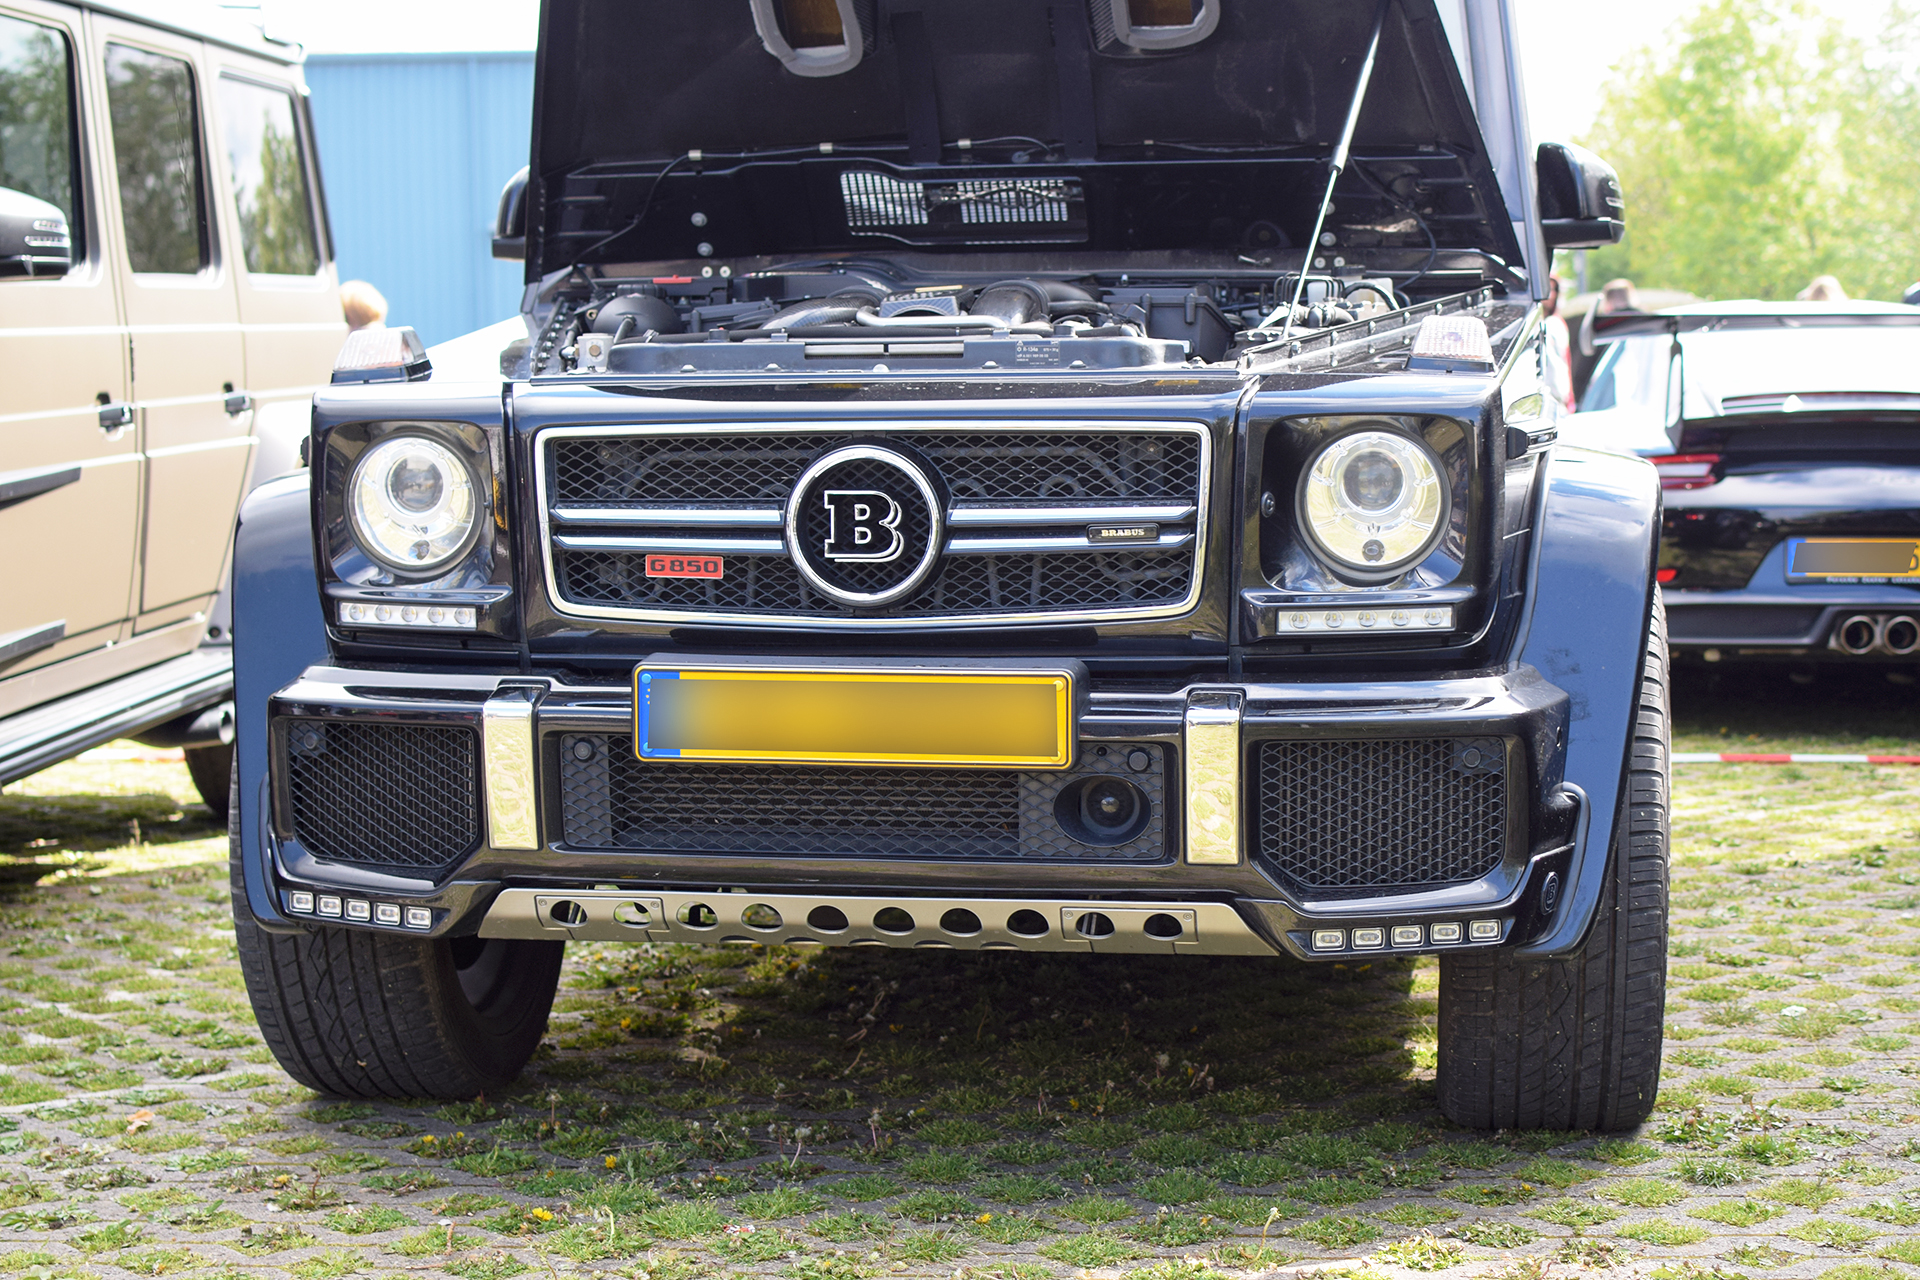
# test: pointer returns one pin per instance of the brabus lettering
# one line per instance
(863, 524)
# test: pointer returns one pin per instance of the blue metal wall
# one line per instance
(414, 149)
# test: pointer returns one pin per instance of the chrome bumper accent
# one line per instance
(509, 767)
(1212, 757)
(964, 924)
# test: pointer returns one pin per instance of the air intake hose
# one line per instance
(1016, 302)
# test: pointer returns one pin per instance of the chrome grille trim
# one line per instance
(974, 514)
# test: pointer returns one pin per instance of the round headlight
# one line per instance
(1373, 502)
(411, 503)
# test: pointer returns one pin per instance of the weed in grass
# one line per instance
(830, 1267)
(1188, 1268)
(1336, 1231)
(159, 1262)
(864, 1187)
(1736, 1213)
(1416, 1216)
(1488, 1195)
(1587, 1252)
(1768, 1149)
(258, 1241)
(941, 1167)
(746, 1244)
(1019, 1188)
(1833, 1234)
(1895, 1213)
(1096, 1211)
(1903, 1251)
(1807, 1193)
(683, 1220)
(1025, 1152)
(781, 1202)
(933, 1206)
(1642, 1193)
(324, 1266)
(1006, 1228)
(1177, 1230)
(1711, 1172)
(1578, 1214)
(846, 1228)
(1244, 1256)
(1248, 1211)
(114, 1235)
(1762, 1255)
(366, 1219)
(494, 1266)
(1663, 1233)
(928, 1246)
(1424, 1252)
(1332, 1193)
(1619, 1151)
(1473, 1155)
(1558, 1174)
(400, 1184)
(1092, 1249)
(1495, 1235)
(1179, 1187)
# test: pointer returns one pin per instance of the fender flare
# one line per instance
(278, 631)
(1589, 601)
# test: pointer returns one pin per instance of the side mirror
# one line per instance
(1580, 204)
(510, 219)
(33, 238)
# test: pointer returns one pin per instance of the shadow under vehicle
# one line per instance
(167, 306)
(1066, 476)
(1785, 438)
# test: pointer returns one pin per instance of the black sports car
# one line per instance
(1787, 436)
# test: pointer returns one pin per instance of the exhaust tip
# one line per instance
(1858, 635)
(1901, 636)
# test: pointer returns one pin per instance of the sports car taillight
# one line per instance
(1686, 470)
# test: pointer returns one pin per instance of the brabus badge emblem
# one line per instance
(862, 524)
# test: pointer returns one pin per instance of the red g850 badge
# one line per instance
(686, 567)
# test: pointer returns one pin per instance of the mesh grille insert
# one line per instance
(1384, 814)
(611, 800)
(402, 797)
(979, 469)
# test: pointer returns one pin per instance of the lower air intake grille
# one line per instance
(1385, 814)
(398, 797)
(612, 800)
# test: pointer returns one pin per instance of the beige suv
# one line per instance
(167, 305)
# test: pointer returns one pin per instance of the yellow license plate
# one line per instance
(855, 716)
(1893, 558)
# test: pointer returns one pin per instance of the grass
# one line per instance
(999, 1113)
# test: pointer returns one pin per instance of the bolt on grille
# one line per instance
(610, 799)
(982, 472)
(398, 797)
(1383, 814)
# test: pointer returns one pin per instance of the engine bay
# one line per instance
(877, 316)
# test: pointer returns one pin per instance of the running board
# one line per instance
(962, 924)
(48, 734)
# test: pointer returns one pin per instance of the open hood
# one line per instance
(726, 129)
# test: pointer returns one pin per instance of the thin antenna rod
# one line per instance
(1339, 163)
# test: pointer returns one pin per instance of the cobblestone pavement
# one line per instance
(853, 1114)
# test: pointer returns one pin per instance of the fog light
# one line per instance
(386, 913)
(419, 918)
(1368, 939)
(1329, 939)
(359, 909)
(1484, 930)
(300, 900)
(1445, 933)
(329, 905)
(1407, 935)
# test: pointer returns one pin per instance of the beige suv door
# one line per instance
(69, 478)
(289, 298)
(176, 273)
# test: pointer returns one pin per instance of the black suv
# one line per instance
(1046, 475)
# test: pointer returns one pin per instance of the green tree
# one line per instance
(1759, 146)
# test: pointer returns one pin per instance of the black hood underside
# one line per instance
(668, 131)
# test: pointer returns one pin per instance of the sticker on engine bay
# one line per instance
(661, 566)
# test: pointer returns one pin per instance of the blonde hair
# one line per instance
(1823, 289)
(362, 304)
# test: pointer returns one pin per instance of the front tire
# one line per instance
(361, 1014)
(1574, 1044)
(211, 768)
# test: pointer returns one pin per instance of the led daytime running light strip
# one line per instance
(1360, 620)
(355, 613)
(359, 910)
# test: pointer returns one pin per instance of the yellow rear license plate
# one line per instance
(1884, 558)
(855, 716)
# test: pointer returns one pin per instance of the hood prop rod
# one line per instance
(1338, 164)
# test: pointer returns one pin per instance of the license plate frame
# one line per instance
(1871, 561)
(964, 715)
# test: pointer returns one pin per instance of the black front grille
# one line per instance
(397, 797)
(982, 471)
(610, 799)
(999, 467)
(1394, 814)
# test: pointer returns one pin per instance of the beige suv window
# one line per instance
(157, 151)
(269, 179)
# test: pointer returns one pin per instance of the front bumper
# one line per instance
(1211, 873)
